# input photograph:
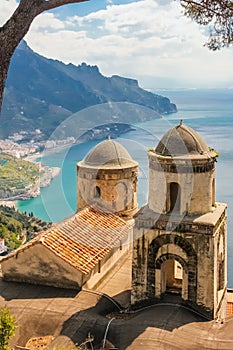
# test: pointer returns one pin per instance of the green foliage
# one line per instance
(7, 328)
(217, 154)
(16, 175)
(14, 226)
(218, 15)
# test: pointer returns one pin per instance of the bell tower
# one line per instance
(180, 235)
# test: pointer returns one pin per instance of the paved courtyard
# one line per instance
(68, 314)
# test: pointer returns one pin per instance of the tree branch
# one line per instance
(51, 4)
(226, 5)
(13, 31)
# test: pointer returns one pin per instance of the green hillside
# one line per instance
(16, 175)
(17, 227)
(40, 93)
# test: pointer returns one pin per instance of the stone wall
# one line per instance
(38, 265)
(112, 190)
(196, 181)
(198, 244)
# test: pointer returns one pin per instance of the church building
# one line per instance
(79, 251)
(178, 239)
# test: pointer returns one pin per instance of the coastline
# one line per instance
(48, 151)
(47, 174)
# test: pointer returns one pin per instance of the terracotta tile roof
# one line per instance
(83, 239)
(229, 309)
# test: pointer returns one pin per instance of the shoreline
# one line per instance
(44, 180)
(46, 152)
(49, 172)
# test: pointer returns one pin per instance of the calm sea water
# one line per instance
(210, 112)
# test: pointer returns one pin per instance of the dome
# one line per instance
(181, 140)
(110, 154)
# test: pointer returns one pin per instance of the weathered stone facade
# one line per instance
(107, 179)
(38, 265)
(198, 244)
(194, 175)
(182, 223)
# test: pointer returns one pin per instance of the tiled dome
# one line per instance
(181, 140)
(110, 154)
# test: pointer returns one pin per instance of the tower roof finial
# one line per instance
(109, 137)
(181, 122)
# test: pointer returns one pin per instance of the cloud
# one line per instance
(144, 38)
(47, 23)
(7, 7)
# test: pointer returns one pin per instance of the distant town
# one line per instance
(22, 172)
(17, 146)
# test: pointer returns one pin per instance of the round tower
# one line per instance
(182, 173)
(107, 179)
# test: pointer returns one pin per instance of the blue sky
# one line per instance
(149, 40)
(87, 7)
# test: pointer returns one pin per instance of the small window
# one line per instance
(97, 192)
(175, 199)
(213, 192)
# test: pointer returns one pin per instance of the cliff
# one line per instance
(20, 179)
(41, 93)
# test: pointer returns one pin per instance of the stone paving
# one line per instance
(69, 315)
(117, 283)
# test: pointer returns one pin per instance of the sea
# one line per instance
(208, 111)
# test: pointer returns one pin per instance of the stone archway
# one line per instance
(166, 280)
(189, 292)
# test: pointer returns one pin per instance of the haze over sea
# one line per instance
(209, 112)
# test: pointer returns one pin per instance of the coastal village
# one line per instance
(24, 156)
(111, 275)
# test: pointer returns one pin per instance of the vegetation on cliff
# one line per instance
(17, 227)
(21, 179)
(16, 175)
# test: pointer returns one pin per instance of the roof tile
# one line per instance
(83, 239)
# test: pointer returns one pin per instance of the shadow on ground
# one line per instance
(66, 314)
(16, 290)
(125, 328)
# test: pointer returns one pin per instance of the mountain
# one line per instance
(40, 93)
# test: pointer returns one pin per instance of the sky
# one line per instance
(148, 40)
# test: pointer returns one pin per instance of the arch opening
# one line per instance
(172, 277)
(174, 197)
(97, 193)
(189, 265)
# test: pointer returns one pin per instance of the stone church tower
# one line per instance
(107, 180)
(180, 235)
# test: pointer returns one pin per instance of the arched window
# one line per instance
(97, 192)
(175, 199)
